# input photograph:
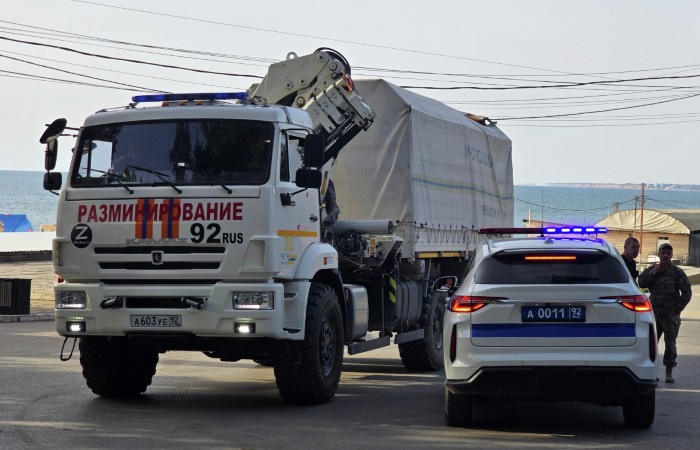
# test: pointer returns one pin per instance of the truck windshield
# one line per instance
(180, 152)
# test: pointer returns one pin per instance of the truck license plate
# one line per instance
(554, 314)
(165, 321)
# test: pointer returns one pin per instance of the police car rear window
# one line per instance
(551, 268)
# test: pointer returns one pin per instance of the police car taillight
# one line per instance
(636, 303)
(470, 303)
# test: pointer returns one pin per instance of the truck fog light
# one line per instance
(244, 328)
(75, 327)
(253, 300)
(70, 299)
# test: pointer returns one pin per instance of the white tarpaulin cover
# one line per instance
(678, 221)
(427, 166)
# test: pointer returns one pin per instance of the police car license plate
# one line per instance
(554, 314)
(165, 321)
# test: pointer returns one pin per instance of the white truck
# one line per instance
(206, 223)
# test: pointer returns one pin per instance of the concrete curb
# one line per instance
(35, 317)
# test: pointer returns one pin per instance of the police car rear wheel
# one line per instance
(458, 409)
(639, 411)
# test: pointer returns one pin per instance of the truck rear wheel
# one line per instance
(113, 368)
(425, 355)
(308, 371)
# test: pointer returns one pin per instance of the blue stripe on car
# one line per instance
(553, 330)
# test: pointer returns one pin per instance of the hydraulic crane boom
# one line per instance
(319, 83)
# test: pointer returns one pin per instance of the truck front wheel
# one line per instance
(308, 371)
(113, 368)
(425, 355)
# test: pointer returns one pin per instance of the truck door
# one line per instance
(298, 217)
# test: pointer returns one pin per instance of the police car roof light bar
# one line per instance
(190, 97)
(545, 230)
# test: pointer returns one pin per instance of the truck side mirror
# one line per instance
(50, 155)
(52, 181)
(53, 131)
(309, 178)
(314, 147)
(49, 137)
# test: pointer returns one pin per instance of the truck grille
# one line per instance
(160, 258)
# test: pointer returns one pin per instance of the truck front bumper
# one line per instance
(160, 309)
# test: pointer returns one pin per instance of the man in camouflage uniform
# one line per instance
(670, 293)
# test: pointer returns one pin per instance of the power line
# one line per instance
(135, 61)
(115, 71)
(569, 209)
(599, 111)
(247, 27)
(59, 80)
(78, 74)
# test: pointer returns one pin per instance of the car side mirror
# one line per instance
(446, 284)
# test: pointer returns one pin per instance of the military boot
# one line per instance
(669, 375)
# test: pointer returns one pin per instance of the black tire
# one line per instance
(267, 362)
(425, 355)
(639, 411)
(114, 369)
(458, 409)
(308, 371)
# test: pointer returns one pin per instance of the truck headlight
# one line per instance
(253, 300)
(70, 299)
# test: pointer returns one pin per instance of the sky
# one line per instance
(588, 91)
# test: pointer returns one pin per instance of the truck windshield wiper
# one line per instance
(201, 172)
(162, 176)
(114, 176)
(570, 278)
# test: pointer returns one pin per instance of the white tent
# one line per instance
(675, 221)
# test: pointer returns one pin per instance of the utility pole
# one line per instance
(641, 227)
(634, 228)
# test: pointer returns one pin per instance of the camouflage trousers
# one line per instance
(668, 325)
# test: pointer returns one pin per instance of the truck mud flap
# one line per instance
(372, 344)
(409, 336)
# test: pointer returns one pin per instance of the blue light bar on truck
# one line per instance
(190, 97)
(545, 230)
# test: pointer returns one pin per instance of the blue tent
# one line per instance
(15, 222)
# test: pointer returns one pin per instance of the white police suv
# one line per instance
(549, 318)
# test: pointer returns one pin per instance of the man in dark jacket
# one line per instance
(670, 293)
(631, 251)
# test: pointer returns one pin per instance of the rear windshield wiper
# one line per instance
(162, 176)
(113, 177)
(201, 172)
(570, 278)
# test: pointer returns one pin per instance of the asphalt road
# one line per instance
(197, 402)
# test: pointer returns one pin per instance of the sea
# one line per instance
(22, 192)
